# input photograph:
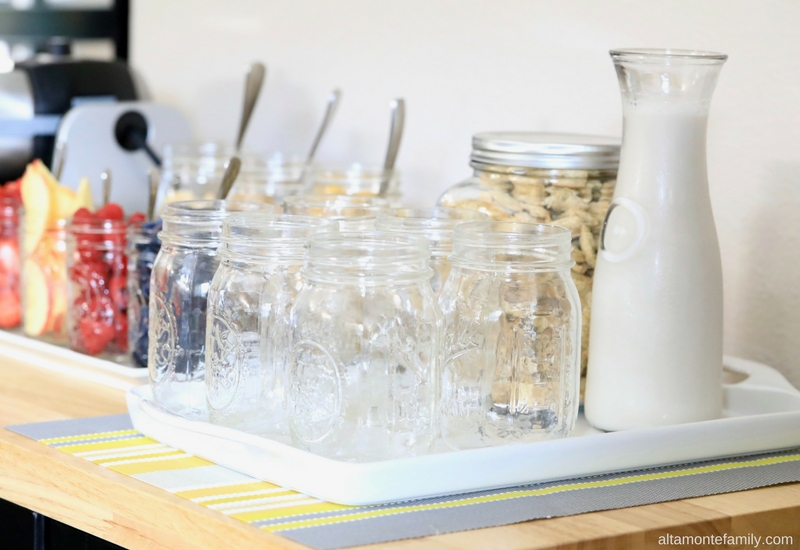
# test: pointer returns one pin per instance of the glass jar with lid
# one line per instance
(564, 179)
(179, 283)
(355, 179)
(364, 377)
(511, 344)
(436, 225)
(249, 306)
(353, 212)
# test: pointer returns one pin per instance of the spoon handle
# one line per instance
(333, 104)
(398, 108)
(229, 177)
(154, 183)
(105, 178)
(252, 89)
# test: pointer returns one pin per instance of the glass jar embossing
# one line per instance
(563, 179)
(249, 305)
(363, 383)
(179, 284)
(511, 345)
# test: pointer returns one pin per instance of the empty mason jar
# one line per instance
(179, 283)
(249, 305)
(512, 327)
(353, 212)
(436, 225)
(364, 375)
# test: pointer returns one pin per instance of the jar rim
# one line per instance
(427, 221)
(671, 55)
(562, 151)
(248, 231)
(97, 227)
(208, 210)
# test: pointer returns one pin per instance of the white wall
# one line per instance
(471, 65)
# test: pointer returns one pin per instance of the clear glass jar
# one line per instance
(179, 283)
(279, 177)
(44, 280)
(143, 246)
(97, 289)
(436, 225)
(249, 329)
(363, 383)
(355, 179)
(564, 179)
(353, 212)
(511, 345)
(10, 302)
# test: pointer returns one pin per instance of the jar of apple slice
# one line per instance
(10, 304)
(97, 265)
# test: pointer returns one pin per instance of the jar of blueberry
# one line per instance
(143, 246)
(179, 284)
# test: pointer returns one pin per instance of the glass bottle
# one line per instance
(511, 345)
(436, 225)
(143, 246)
(532, 177)
(353, 212)
(656, 336)
(179, 283)
(364, 376)
(249, 306)
(10, 302)
(97, 289)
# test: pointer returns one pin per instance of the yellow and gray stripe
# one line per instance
(113, 443)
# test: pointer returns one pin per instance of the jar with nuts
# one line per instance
(562, 179)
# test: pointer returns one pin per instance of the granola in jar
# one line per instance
(563, 179)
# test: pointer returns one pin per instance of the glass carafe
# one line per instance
(656, 330)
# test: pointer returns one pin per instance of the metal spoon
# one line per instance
(154, 182)
(398, 108)
(59, 157)
(105, 177)
(252, 89)
(333, 104)
(229, 177)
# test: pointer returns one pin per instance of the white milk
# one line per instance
(656, 327)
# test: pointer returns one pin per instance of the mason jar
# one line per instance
(354, 179)
(563, 179)
(143, 246)
(44, 279)
(512, 327)
(179, 283)
(10, 302)
(249, 304)
(352, 212)
(436, 225)
(364, 375)
(271, 180)
(97, 290)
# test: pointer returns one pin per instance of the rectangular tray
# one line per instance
(65, 361)
(762, 412)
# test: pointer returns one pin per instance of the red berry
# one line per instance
(111, 211)
(82, 215)
(121, 329)
(96, 335)
(136, 217)
(118, 290)
(10, 309)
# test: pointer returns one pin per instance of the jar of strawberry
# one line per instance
(10, 305)
(97, 267)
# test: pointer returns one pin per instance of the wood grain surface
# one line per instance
(135, 515)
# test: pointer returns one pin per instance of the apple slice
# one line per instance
(83, 197)
(36, 199)
(36, 299)
(63, 206)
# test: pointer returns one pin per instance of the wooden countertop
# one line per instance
(135, 515)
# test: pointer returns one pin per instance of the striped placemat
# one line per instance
(111, 441)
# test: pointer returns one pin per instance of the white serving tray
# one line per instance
(762, 413)
(65, 361)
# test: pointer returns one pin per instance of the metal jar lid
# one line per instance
(543, 150)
